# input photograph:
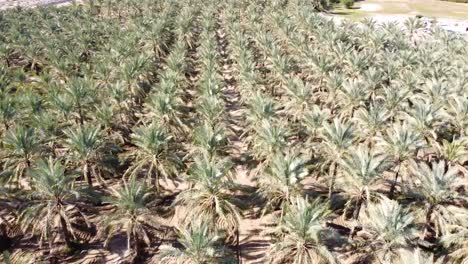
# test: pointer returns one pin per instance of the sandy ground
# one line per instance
(370, 7)
(5, 4)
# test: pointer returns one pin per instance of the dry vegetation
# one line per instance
(189, 131)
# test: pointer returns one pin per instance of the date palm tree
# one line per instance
(21, 146)
(281, 181)
(298, 235)
(455, 153)
(79, 92)
(456, 111)
(400, 144)
(167, 109)
(85, 145)
(209, 141)
(7, 111)
(435, 188)
(199, 246)
(416, 256)
(208, 199)
(371, 121)
(52, 210)
(362, 169)
(130, 214)
(338, 136)
(457, 243)
(155, 155)
(270, 138)
(390, 228)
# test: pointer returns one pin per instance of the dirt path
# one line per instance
(252, 245)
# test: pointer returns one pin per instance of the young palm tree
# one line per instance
(211, 109)
(86, 148)
(261, 107)
(79, 92)
(423, 118)
(155, 155)
(371, 121)
(362, 168)
(337, 136)
(390, 228)
(199, 246)
(281, 181)
(457, 113)
(314, 120)
(455, 152)
(417, 257)
(131, 215)
(400, 143)
(298, 236)
(208, 200)
(209, 141)
(269, 139)
(299, 98)
(21, 146)
(52, 210)
(436, 189)
(457, 243)
(7, 111)
(167, 109)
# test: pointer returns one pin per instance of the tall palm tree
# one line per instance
(52, 209)
(130, 214)
(298, 235)
(208, 199)
(390, 229)
(199, 246)
(155, 155)
(85, 145)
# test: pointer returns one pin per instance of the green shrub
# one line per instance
(347, 3)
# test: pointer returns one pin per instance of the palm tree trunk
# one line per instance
(357, 210)
(427, 223)
(238, 247)
(66, 235)
(80, 114)
(87, 174)
(332, 179)
(5, 240)
(393, 187)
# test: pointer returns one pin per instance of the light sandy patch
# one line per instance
(370, 7)
(6, 4)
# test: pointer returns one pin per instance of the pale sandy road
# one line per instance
(6, 4)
